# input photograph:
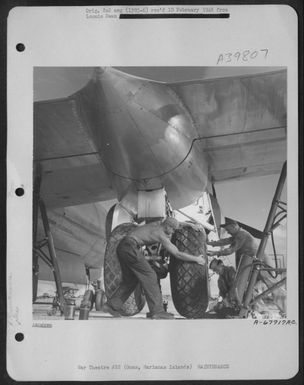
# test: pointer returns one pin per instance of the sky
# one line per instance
(248, 200)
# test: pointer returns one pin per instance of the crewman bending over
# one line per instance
(136, 269)
(226, 288)
(225, 280)
(241, 242)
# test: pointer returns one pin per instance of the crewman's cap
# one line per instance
(172, 222)
(228, 222)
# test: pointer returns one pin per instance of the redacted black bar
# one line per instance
(175, 16)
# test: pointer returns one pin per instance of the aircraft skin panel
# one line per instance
(58, 130)
(241, 123)
(72, 171)
(263, 157)
(240, 173)
(138, 123)
(134, 137)
(120, 130)
(138, 129)
(75, 185)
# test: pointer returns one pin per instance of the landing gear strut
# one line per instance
(277, 213)
(49, 256)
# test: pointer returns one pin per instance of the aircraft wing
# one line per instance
(72, 171)
(237, 122)
(241, 122)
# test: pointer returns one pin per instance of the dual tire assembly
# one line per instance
(188, 281)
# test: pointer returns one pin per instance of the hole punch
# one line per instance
(19, 191)
(20, 47)
(19, 337)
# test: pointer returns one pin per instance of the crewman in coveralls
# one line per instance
(135, 268)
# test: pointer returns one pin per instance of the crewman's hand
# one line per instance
(196, 226)
(153, 258)
(212, 253)
(226, 302)
(200, 260)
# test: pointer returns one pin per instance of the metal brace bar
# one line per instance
(36, 190)
(41, 244)
(281, 207)
(270, 290)
(282, 202)
(52, 253)
(47, 241)
(279, 270)
(280, 213)
(276, 224)
(45, 258)
(266, 233)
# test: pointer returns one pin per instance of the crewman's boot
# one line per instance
(162, 315)
(107, 308)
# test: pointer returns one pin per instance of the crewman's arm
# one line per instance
(237, 243)
(195, 226)
(226, 251)
(172, 249)
(221, 242)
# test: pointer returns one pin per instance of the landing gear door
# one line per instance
(152, 204)
(216, 213)
(120, 215)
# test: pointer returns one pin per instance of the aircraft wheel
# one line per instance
(112, 272)
(189, 281)
(109, 220)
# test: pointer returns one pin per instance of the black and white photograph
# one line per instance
(127, 163)
(152, 193)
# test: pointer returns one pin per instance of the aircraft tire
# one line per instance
(112, 272)
(189, 281)
(109, 220)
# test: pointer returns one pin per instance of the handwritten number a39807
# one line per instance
(241, 56)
